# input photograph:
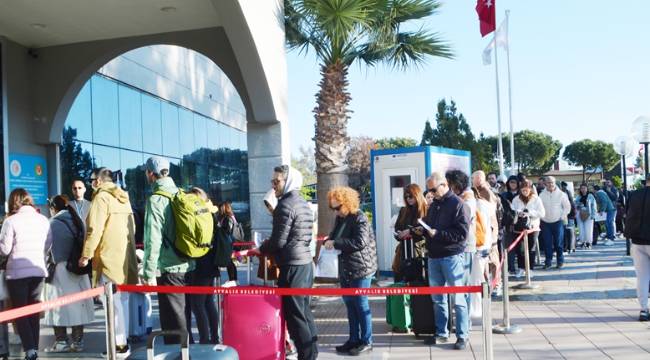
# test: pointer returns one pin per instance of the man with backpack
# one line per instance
(162, 263)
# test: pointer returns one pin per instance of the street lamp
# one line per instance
(641, 133)
(624, 146)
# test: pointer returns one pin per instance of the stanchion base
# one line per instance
(527, 286)
(503, 330)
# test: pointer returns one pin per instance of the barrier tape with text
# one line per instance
(238, 290)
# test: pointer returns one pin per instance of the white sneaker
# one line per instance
(520, 273)
(230, 283)
(608, 242)
(58, 347)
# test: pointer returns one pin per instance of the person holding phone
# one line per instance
(407, 228)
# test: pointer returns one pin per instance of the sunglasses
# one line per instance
(336, 208)
(408, 197)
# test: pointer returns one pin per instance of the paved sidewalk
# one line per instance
(587, 310)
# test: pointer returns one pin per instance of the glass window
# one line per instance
(213, 134)
(80, 117)
(106, 157)
(186, 124)
(171, 143)
(105, 111)
(151, 124)
(200, 132)
(130, 118)
(134, 178)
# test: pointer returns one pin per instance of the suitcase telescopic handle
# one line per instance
(185, 352)
(410, 241)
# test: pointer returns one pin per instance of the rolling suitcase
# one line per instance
(186, 352)
(570, 237)
(398, 313)
(140, 310)
(254, 325)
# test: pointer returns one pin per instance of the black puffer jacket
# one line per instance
(637, 220)
(293, 223)
(358, 258)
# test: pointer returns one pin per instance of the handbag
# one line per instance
(50, 265)
(523, 223)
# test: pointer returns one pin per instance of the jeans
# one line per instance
(297, 311)
(23, 292)
(610, 224)
(205, 311)
(553, 234)
(516, 253)
(449, 271)
(172, 306)
(359, 316)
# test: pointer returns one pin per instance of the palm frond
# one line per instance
(408, 49)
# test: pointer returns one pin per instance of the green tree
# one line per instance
(342, 32)
(452, 131)
(306, 164)
(483, 158)
(591, 154)
(427, 134)
(76, 163)
(535, 152)
(395, 143)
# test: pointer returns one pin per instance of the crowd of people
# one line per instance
(460, 224)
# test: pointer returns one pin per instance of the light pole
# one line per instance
(641, 133)
(624, 146)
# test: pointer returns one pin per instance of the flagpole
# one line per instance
(499, 141)
(512, 134)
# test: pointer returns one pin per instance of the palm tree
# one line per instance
(342, 32)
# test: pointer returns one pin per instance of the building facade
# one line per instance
(72, 79)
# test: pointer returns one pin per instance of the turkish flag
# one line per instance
(487, 16)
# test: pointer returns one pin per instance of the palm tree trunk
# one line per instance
(331, 113)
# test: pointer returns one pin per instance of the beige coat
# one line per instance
(110, 236)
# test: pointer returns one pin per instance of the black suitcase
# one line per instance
(422, 316)
(569, 239)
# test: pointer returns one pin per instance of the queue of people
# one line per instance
(459, 226)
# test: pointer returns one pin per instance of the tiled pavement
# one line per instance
(587, 310)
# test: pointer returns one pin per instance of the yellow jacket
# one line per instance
(110, 236)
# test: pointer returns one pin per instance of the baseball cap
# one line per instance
(156, 164)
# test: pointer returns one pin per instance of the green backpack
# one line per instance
(194, 224)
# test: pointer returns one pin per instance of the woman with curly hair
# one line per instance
(415, 208)
(353, 236)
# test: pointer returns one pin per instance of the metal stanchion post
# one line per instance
(506, 327)
(487, 322)
(528, 284)
(109, 311)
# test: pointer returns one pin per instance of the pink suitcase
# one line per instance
(254, 326)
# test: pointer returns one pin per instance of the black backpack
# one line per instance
(72, 264)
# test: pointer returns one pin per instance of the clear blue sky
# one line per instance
(580, 69)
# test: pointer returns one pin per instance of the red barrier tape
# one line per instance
(47, 305)
(509, 249)
(245, 243)
(257, 290)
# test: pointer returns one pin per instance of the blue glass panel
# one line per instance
(130, 118)
(106, 157)
(170, 132)
(186, 124)
(134, 178)
(105, 111)
(80, 115)
(200, 132)
(213, 134)
(151, 124)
